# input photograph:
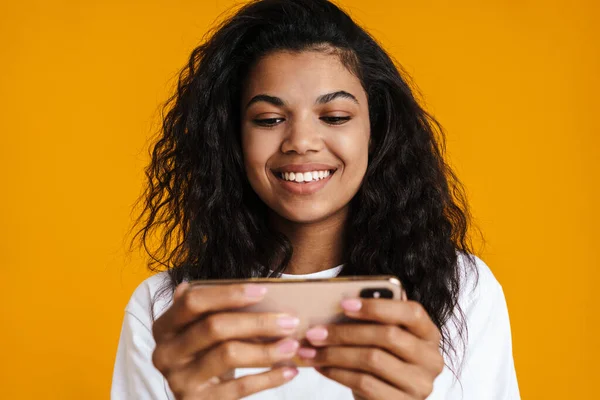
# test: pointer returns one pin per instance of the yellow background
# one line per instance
(515, 84)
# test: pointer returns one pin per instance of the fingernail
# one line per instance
(180, 289)
(316, 334)
(351, 304)
(288, 322)
(307, 352)
(288, 346)
(253, 291)
(289, 373)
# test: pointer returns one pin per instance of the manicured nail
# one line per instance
(215, 380)
(316, 334)
(351, 304)
(289, 373)
(288, 346)
(254, 291)
(307, 352)
(288, 322)
(180, 289)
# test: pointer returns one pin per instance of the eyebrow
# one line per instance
(324, 98)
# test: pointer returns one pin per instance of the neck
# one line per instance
(317, 245)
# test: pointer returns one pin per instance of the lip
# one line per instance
(304, 168)
(302, 188)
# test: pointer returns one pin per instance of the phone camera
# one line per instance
(376, 293)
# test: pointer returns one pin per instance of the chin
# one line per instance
(304, 218)
(304, 215)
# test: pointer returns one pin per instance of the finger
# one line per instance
(365, 385)
(234, 354)
(195, 301)
(221, 327)
(394, 339)
(250, 384)
(191, 390)
(375, 362)
(409, 314)
(180, 289)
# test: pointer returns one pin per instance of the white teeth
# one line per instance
(304, 176)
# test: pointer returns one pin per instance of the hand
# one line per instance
(198, 344)
(398, 358)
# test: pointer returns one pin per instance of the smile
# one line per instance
(300, 177)
(304, 179)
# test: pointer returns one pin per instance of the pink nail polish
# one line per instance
(288, 346)
(289, 373)
(316, 334)
(306, 352)
(351, 304)
(254, 291)
(287, 322)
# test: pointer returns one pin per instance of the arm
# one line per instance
(488, 370)
(193, 346)
(134, 374)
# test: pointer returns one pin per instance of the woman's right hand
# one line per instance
(198, 344)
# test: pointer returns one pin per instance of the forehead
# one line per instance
(302, 74)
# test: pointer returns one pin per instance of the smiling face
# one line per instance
(305, 134)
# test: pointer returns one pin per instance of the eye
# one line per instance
(268, 121)
(335, 120)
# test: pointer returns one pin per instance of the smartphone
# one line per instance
(316, 301)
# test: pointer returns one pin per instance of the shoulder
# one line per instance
(150, 299)
(487, 339)
(477, 280)
(481, 300)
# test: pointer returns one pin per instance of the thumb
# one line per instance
(180, 289)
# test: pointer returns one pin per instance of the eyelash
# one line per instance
(329, 120)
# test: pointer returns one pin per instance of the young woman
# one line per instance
(295, 148)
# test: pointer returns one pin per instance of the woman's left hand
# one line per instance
(396, 358)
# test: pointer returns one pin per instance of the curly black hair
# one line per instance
(410, 217)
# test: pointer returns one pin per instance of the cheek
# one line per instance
(258, 149)
(353, 150)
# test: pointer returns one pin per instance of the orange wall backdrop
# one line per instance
(515, 84)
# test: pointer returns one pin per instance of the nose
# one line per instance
(303, 136)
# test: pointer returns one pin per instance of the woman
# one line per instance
(294, 148)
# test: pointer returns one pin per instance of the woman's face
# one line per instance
(305, 134)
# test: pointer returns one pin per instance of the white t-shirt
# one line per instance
(488, 371)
